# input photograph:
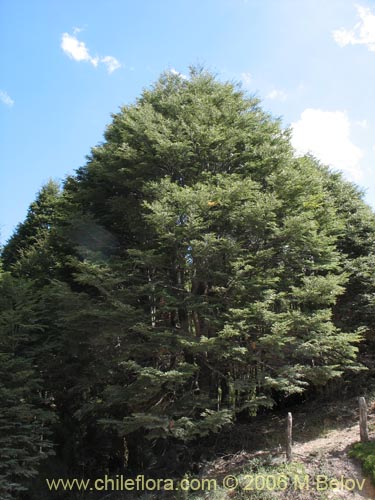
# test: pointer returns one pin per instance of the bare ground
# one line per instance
(325, 455)
(330, 452)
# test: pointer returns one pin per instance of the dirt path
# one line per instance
(328, 455)
(323, 434)
(322, 439)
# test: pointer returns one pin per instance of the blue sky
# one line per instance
(65, 66)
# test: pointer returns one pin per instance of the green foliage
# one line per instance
(193, 270)
(251, 482)
(25, 415)
(39, 220)
(365, 452)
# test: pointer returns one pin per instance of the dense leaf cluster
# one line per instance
(192, 271)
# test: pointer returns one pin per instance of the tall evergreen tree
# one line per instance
(30, 235)
(25, 413)
(195, 270)
(216, 290)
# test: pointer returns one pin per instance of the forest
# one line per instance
(194, 273)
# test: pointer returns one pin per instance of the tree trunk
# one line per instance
(363, 426)
(289, 437)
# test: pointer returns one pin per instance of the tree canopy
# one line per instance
(192, 271)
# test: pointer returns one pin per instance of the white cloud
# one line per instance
(177, 73)
(363, 33)
(362, 123)
(246, 79)
(111, 62)
(6, 99)
(76, 50)
(77, 30)
(326, 135)
(79, 52)
(276, 94)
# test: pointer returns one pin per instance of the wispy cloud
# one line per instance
(247, 80)
(363, 33)
(78, 51)
(77, 30)
(326, 134)
(177, 73)
(362, 123)
(6, 99)
(111, 63)
(277, 94)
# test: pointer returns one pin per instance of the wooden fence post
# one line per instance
(289, 424)
(363, 426)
